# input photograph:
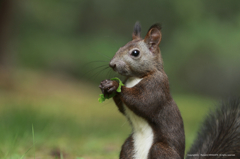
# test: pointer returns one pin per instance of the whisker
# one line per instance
(113, 73)
(109, 74)
(100, 66)
(92, 70)
(100, 71)
(105, 55)
(85, 64)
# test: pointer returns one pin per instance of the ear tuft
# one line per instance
(153, 37)
(136, 31)
(157, 25)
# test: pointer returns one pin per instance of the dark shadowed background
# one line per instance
(53, 54)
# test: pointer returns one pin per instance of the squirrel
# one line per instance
(145, 100)
(157, 125)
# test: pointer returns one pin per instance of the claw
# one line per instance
(107, 87)
(110, 90)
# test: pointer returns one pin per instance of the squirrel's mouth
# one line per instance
(120, 67)
(121, 71)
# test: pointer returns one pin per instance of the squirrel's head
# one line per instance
(139, 57)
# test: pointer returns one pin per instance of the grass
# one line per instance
(33, 141)
(51, 116)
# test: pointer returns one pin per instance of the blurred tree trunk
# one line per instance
(5, 35)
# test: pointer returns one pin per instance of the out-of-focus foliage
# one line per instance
(200, 44)
(54, 40)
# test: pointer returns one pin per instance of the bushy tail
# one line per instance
(220, 133)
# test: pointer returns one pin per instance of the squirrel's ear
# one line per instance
(136, 31)
(153, 37)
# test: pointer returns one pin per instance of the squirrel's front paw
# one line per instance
(108, 87)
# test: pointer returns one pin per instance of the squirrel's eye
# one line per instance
(135, 53)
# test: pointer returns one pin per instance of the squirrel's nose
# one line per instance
(112, 65)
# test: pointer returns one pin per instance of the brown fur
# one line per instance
(150, 98)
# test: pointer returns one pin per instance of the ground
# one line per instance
(45, 115)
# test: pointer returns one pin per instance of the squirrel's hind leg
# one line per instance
(160, 151)
(127, 149)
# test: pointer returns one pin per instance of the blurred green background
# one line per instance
(53, 54)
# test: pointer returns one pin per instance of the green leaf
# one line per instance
(102, 98)
(120, 83)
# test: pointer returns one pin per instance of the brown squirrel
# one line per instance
(157, 125)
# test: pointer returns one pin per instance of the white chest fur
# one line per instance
(142, 131)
